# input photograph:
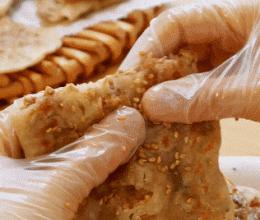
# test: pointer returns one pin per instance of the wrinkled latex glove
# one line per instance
(226, 35)
(53, 186)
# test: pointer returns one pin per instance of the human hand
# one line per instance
(53, 186)
(226, 35)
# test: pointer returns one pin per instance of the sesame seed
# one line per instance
(153, 159)
(182, 156)
(124, 148)
(159, 160)
(177, 162)
(144, 82)
(100, 202)
(177, 155)
(48, 130)
(142, 162)
(126, 206)
(172, 166)
(117, 212)
(135, 99)
(142, 155)
(159, 168)
(68, 205)
(155, 146)
(186, 139)
(168, 191)
(139, 90)
(163, 169)
(147, 197)
(176, 134)
(189, 200)
(83, 118)
(151, 76)
(137, 81)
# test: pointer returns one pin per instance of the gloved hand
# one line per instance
(226, 33)
(53, 186)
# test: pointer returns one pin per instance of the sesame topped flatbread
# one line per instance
(24, 46)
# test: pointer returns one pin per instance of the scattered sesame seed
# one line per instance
(177, 162)
(124, 148)
(147, 197)
(142, 155)
(142, 162)
(153, 159)
(137, 81)
(159, 160)
(83, 119)
(100, 202)
(49, 91)
(135, 99)
(68, 205)
(177, 155)
(48, 130)
(61, 105)
(151, 76)
(154, 146)
(139, 90)
(186, 139)
(117, 212)
(189, 200)
(168, 191)
(176, 134)
(144, 82)
(172, 166)
(126, 206)
(182, 156)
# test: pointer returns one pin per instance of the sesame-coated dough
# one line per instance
(52, 119)
(173, 175)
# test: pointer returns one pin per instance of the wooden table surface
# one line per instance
(240, 138)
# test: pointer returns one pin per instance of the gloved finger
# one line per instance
(224, 25)
(53, 186)
(231, 90)
(9, 143)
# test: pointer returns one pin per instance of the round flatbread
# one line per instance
(22, 46)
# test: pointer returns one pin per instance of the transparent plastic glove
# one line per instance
(53, 186)
(227, 36)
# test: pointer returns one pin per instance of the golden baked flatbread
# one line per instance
(57, 10)
(24, 46)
